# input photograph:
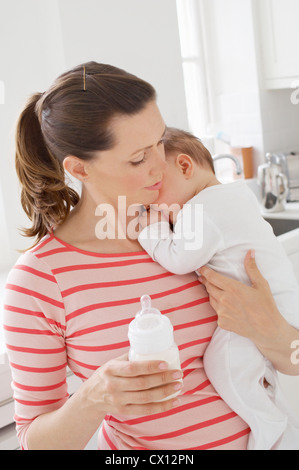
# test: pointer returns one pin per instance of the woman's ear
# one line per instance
(76, 167)
(185, 165)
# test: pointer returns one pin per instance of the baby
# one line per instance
(216, 225)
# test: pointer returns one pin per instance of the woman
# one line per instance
(70, 298)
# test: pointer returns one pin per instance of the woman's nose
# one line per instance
(160, 164)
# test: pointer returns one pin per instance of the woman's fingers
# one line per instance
(121, 367)
(252, 270)
(225, 283)
(136, 387)
(151, 395)
(211, 289)
(146, 382)
(148, 409)
(215, 278)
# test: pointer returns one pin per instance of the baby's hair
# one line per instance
(179, 141)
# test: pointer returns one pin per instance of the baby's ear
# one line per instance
(185, 165)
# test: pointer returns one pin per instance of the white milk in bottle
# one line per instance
(151, 338)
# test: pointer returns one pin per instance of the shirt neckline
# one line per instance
(93, 253)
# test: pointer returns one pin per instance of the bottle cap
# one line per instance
(150, 331)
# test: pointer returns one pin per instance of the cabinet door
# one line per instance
(279, 41)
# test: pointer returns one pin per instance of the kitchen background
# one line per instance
(228, 70)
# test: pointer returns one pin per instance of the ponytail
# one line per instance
(45, 197)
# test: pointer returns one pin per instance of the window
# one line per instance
(194, 69)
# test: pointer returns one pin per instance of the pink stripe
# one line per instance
(19, 418)
(164, 414)
(112, 264)
(39, 389)
(102, 285)
(107, 439)
(91, 253)
(188, 305)
(35, 350)
(38, 369)
(52, 252)
(221, 442)
(196, 323)
(187, 372)
(199, 387)
(39, 403)
(106, 347)
(194, 343)
(128, 320)
(37, 295)
(188, 429)
(41, 244)
(188, 362)
(100, 327)
(115, 303)
(82, 364)
(29, 331)
(23, 267)
(24, 311)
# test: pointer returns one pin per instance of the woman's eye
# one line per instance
(139, 161)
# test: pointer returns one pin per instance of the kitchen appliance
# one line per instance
(274, 185)
(289, 162)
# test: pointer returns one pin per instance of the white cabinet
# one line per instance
(278, 42)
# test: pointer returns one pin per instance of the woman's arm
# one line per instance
(34, 327)
(251, 311)
(119, 386)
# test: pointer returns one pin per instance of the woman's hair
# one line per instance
(71, 118)
(179, 141)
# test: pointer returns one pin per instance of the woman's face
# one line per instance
(134, 167)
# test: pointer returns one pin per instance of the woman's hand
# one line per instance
(133, 388)
(251, 311)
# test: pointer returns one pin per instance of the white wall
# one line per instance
(243, 109)
(39, 39)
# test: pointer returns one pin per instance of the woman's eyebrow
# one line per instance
(150, 146)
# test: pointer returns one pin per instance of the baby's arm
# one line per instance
(193, 242)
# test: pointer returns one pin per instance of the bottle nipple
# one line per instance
(146, 306)
(150, 331)
(146, 302)
(148, 317)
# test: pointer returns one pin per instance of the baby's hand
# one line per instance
(151, 216)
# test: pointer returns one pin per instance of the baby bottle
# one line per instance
(151, 338)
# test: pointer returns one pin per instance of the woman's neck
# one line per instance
(101, 228)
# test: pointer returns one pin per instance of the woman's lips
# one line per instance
(155, 187)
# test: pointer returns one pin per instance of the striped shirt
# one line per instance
(69, 307)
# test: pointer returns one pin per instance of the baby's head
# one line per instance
(190, 168)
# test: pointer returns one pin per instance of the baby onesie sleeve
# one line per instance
(34, 329)
(194, 240)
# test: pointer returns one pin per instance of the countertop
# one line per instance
(291, 211)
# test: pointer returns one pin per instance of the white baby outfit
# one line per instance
(217, 228)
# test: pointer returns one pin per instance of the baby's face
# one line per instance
(175, 188)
